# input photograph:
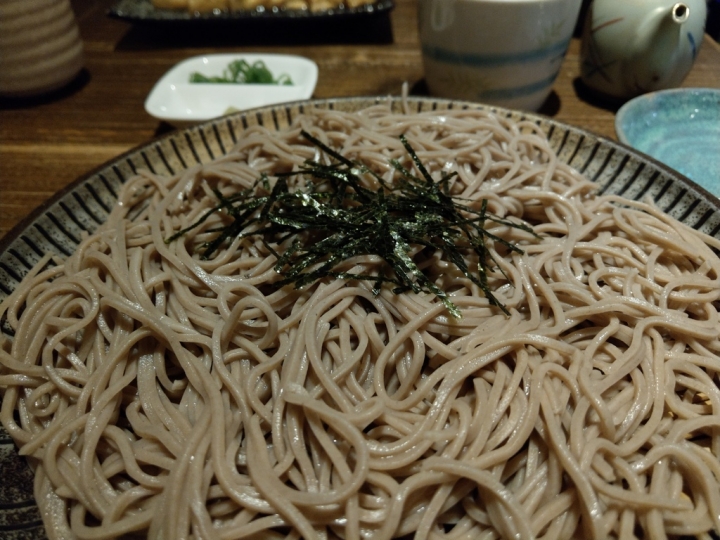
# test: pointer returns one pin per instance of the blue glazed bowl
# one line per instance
(679, 127)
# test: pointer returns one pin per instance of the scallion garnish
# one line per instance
(241, 72)
(332, 217)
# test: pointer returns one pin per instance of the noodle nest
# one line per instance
(160, 395)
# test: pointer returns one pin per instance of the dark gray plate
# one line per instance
(56, 226)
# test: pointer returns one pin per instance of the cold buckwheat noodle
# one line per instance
(157, 394)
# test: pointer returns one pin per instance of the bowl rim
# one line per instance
(637, 102)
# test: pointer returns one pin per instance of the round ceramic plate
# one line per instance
(679, 127)
(58, 225)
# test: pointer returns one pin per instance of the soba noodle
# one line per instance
(157, 394)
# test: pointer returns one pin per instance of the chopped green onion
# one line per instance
(241, 72)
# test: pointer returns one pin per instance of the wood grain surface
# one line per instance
(47, 142)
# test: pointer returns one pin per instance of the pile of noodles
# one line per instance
(157, 394)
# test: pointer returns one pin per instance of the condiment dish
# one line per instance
(180, 102)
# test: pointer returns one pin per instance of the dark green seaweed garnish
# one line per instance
(332, 217)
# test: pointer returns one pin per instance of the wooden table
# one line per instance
(48, 142)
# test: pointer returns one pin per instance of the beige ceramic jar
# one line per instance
(40, 47)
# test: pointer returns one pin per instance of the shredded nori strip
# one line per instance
(333, 217)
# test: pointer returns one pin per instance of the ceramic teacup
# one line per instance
(501, 52)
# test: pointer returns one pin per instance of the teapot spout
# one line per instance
(667, 34)
(660, 60)
(679, 13)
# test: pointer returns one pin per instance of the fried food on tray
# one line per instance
(204, 6)
(170, 4)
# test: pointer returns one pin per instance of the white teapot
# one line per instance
(630, 47)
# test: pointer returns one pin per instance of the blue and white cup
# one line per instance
(500, 52)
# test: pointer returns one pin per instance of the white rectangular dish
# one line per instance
(176, 100)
